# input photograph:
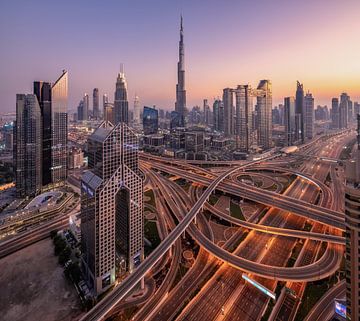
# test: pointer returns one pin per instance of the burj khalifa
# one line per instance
(180, 104)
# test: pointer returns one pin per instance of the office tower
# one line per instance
(228, 101)
(86, 103)
(275, 116)
(350, 110)
(109, 112)
(80, 110)
(335, 113)
(112, 227)
(150, 120)
(289, 111)
(121, 105)
(352, 217)
(321, 113)
(180, 104)
(175, 120)
(96, 110)
(28, 146)
(281, 114)
(356, 108)
(161, 113)
(309, 115)
(105, 99)
(218, 114)
(343, 110)
(244, 121)
(136, 110)
(264, 108)
(299, 113)
(59, 96)
(42, 90)
(53, 104)
(206, 112)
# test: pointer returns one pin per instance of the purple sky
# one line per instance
(226, 43)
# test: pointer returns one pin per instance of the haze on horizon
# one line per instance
(226, 44)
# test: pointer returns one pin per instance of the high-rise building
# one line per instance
(109, 112)
(356, 108)
(59, 123)
(180, 104)
(96, 110)
(343, 110)
(86, 105)
(42, 90)
(150, 120)
(352, 218)
(53, 104)
(28, 146)
(218, 114)
(309, 115)
(299, 113)
(289, 110)
(228, 102)
(80, 110)
(112, 227)
(264, 108)
(175, 120)
(121, 104)
(105, 99)
(206, 112)
(244, 113)
(335, 113)
(136, 111)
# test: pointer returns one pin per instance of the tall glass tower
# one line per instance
(121, 104)
(180, 104)
(28, 145)
(264, 108)
(59, 120)
(112, 226)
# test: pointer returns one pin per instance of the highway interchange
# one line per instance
(303, 213)
(266, 245)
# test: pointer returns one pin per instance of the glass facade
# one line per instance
(150, 120)
(28, 146)
(59, 120)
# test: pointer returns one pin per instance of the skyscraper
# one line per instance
(80, 110)
(112, 226)
(228, 101)
(109, 112)
(59, 120)
(150, 120)
(136, 110)
(42, 90)
(218, 114)
(299, 113)
(352, 218)
(343, 110)
(86, 107)
(121, 104)
(180, 104)
(53, 105)
(289, 106)
(96, 110)
(206, 112)
(28, 146)
(335, 113)
(264, 109)
(309, 115)
(244, 121)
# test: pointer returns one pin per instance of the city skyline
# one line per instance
(232, 60)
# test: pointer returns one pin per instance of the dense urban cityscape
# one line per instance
(237, 208)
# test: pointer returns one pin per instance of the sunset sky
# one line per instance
(226, 43)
